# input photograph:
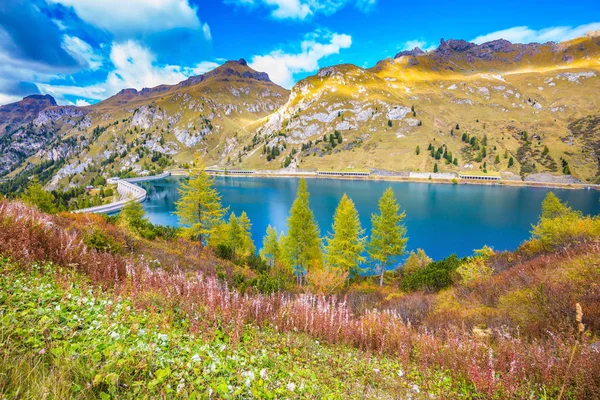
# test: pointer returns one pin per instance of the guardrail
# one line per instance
(128, 191)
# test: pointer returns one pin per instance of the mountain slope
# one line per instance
(520, 110)
(494, 92)
(140, 131)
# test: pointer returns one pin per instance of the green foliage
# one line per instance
(99, 240)
(346, 244)
(37, 196)
(388, 236)
(435, 276)
(199, 207)
(415, 261)
(302, 246)
(475, 268)
(435, 168)
(560, 226)
(271, 252)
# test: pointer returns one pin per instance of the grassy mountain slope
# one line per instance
(498, 90)
(498, 108)
(141, 131)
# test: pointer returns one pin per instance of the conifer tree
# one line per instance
(388, 236)
(417, 150)
(37, 196)
(435, 168)
(271, 250)
(246, 229)
(302, 243)
(346, 243)
(199, 207)
(510, 162)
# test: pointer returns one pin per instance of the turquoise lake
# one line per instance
(441, 219)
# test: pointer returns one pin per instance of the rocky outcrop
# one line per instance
(412, 53)
(13, 115)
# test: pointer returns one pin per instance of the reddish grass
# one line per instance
(501, 364)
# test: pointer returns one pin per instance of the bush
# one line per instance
(435, 276)
(97, 239)
(224, 251)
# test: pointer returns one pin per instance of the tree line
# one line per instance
(340, 255)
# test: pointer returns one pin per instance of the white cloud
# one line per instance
(82, 52)
(282, 66)
(81, 103)
(206, 31)
(411, 44)
(523, 34)
(204, 67)
(302, 9)
(125, 17)
(134, 66)
(8, 98)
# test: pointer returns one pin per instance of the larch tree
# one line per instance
(248, 247)
(271, 250)
(302, 243)
(37, 196)
(346, 243)
(388, 236)
(199, 207)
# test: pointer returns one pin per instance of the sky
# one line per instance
(83, 51)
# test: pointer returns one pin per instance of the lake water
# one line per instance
(441, 219)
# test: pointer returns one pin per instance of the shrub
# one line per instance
(435, 276)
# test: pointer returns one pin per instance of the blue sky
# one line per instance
(83, 51)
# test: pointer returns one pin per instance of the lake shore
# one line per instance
(392, 178)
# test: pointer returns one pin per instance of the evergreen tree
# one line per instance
(133, 215)
(388, 236)
(346, 244)
(247, 242)
(302, 244)
(510, 162)
(418, 150)
(497, 160)
(37, 196)
(390, 124)
(271, 250)
(199, 207)
(435, 168)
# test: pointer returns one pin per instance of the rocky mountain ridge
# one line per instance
(496, 107)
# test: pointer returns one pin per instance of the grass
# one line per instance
(62, 338)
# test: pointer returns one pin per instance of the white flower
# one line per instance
(400, 373)
(263, 373)
(376, 370)
(195, 358)
(291, 386)
(415, 388)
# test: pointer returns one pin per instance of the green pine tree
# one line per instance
(435, 168)
(302, 243)
(388, 236)
(346, 244)
(199, 207)
(271, 250)
(37, 196)
(418, 150)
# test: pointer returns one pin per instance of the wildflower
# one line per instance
(263, 373)
(415, 388)
(400, 373)
(376, 370)
(291, 386)
(196, 358)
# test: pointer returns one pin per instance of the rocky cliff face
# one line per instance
(12, 116)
